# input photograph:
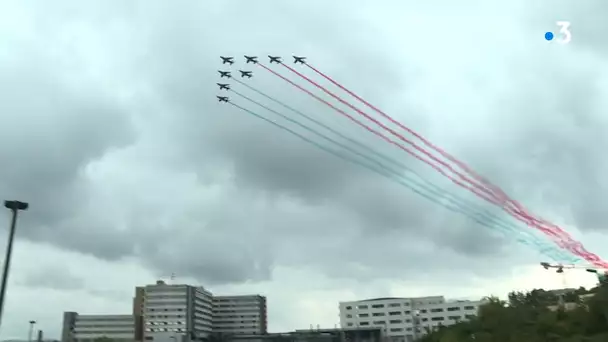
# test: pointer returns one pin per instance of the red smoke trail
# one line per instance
(375, 132)
(571, 245)
(491, 200)
(497, 190)
(428, 154)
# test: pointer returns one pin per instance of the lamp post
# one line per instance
(31, 332)
(15, 207)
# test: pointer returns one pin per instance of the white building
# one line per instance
(404, 319)
(170, 312)
(240, 315)
(86, 328)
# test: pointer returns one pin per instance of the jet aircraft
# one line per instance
(223, 86)
(222, 98)
(274, 59)
(224, 74)
(300, 60)
(247, 74)
(229, 60)
(251, 59)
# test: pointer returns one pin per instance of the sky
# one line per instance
(110, 129)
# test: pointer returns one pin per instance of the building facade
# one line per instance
(87, 328)
(405, 319)
(240, 315)
(170, 312)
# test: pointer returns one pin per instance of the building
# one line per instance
(240, 315)
(405, 319)
(171, 311)
(86, 328)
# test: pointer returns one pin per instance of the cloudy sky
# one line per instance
(110, 129)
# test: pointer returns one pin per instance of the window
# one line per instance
(394, 305)
(394, 313)
(408, 329)
(377, 306)
(423, 311)
(364, 323)
(378, 314)
(364, 315)
(469, 308)
(437, 310)
(349, 324)
(349, 316)
(454, 308)
(396, 329)
(469, 316)
(349, 308)
(454, 318)
(408, 312)
(380, 322)
(437, 319)
(362, 307)
(425, 319)
(408, 321)
(395, 321)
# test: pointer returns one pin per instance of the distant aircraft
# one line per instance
(251, 59)
(275, 59)
(229, 60)
(223, 86)
(224, 74)
(222, 98)
(247, 74)
(300, 60)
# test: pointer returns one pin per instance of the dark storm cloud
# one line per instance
(282, 201)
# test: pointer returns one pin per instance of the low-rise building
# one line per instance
(87, 328)
(406, 319)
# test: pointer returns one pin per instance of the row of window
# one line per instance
(408, 312)
(398, 321)
(379, 306)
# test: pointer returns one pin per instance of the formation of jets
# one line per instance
(229, 60)
(248, 59)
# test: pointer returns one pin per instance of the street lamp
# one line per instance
(31, 332)
(14, 206)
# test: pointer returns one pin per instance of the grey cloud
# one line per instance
(54, 277)
(281, 201)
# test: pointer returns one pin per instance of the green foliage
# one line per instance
(526, 317)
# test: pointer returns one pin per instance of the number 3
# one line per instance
(565, 31)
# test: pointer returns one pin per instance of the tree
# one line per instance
(103, 339)
(525, 317)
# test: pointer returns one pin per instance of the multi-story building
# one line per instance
(87, 328)
(239, 315)
(171, 311)
(405, 319)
